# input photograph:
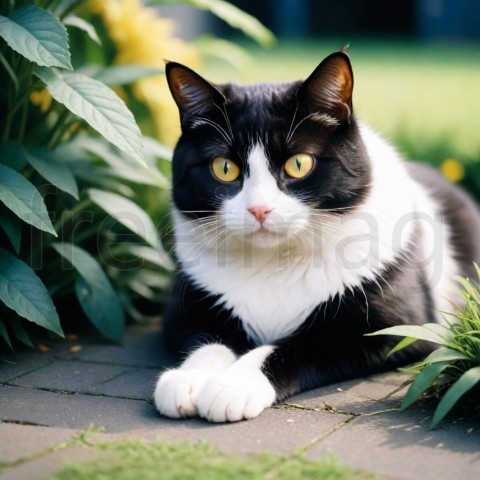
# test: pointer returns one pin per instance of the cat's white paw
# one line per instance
(177, 390)
(240, 392)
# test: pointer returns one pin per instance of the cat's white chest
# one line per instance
(272, 297)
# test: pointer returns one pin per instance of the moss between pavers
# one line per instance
(133, 459)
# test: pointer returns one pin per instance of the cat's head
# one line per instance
(263, 160)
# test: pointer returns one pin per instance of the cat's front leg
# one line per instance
(241, 391)
(177, 389)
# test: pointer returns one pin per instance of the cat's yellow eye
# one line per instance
(225, 169)
(299, 166)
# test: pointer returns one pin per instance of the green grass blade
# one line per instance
(419, 332)
(401, 345)
(422, 382)
(444, 354)
(466, 382)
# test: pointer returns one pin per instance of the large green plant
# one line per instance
(79, 184)
(66, 170)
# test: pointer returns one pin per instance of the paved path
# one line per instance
(49, 397)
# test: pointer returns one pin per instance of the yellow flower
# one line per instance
(143, 38)
(42, 99)
(452, 169)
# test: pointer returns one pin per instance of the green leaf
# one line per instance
(224, 50)
(12, 154)
(98, 105)
(152, 255)
(21, 333)
(23, 199)
(415, 331)
(22, 291)
(77, 22)
(236, 18)
(37, 35)
(156, 149)
(466, 382)
(127, 213)
(4, 335)
(422, 382)
(120, 74)
(50, 168)
(401, 345)
(95, 292)
(12, 227)
(440, 330)
(123, 167)
(444, 354)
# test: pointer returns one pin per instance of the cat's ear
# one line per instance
(329, 88)
(193, 94)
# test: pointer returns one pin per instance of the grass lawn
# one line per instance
(133, 459)
(424, 97)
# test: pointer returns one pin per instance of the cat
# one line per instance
(298, 231)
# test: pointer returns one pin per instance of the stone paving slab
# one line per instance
(47, 465)
(70, 376)
(400, 444)
(136, 383)
(65, 388)
(31, 406)
(26, 441)
(13, 365)
(279, 430)
(143, 346)
(355, 398)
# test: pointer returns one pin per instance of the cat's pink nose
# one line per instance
(260, 213)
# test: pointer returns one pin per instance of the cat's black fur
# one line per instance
(331, 344)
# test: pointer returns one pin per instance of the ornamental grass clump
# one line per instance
(452, 370)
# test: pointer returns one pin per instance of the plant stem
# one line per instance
(58, 128)
(23, 120)
(10, 71)
(68, 214)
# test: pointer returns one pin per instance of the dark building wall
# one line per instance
(433, 19)
(322, 17)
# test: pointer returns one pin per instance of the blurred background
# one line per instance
(416, 65)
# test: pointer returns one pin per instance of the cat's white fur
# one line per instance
(177, 390)
(213, 384)
(273, 275)
(241, 391)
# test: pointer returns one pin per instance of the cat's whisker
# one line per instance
(203, 120)
(291, 124)
(227, 120)
(300, 122)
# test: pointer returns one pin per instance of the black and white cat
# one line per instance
(298, 231)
